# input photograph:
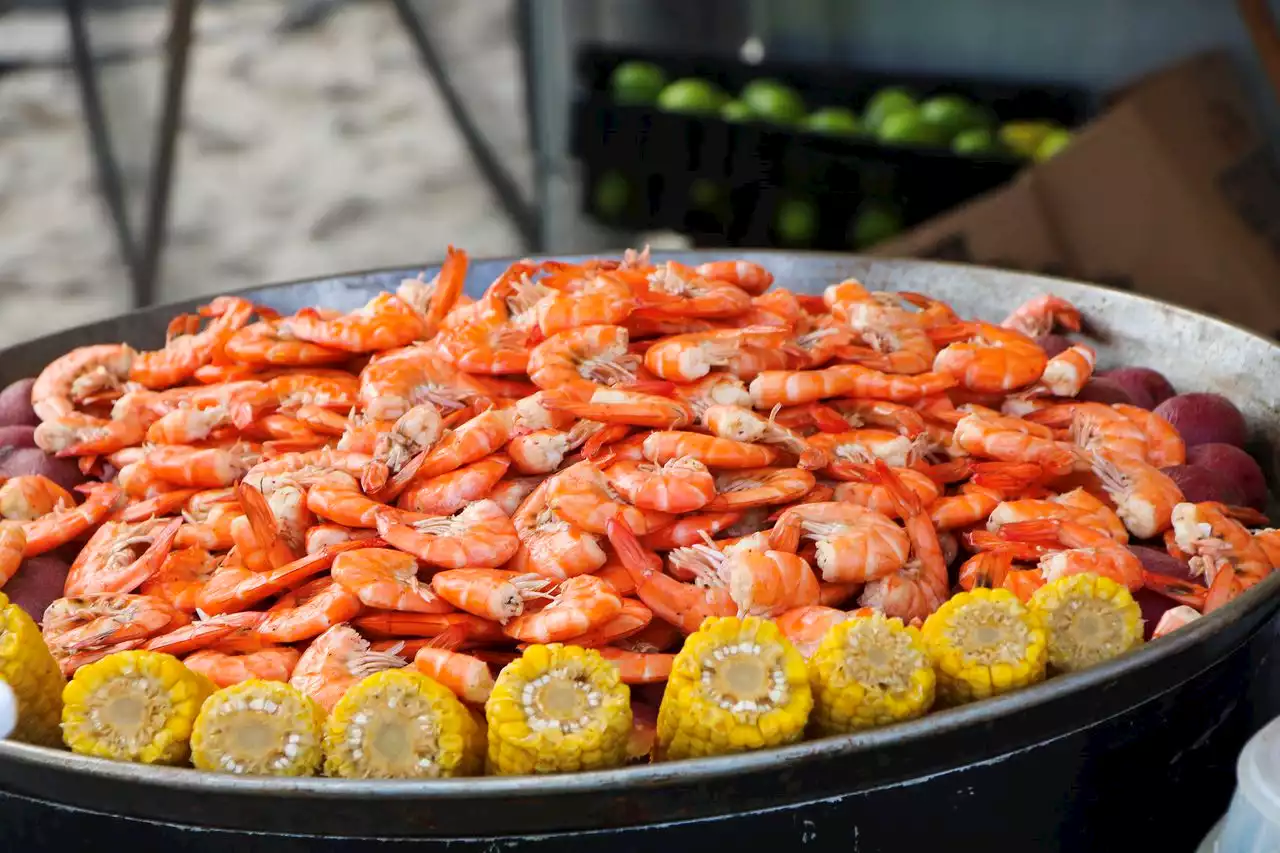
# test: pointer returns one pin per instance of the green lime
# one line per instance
(1053, 142)
(773, 101)
(736, 111)
(637, 83)
(885, 103)
(950, 114)
(796, 222)
(874, 223)
(691, 95)
(836, 121)
(976, 141)
(907, 127)
(703, 194)
(1024, 137)
(611, 194)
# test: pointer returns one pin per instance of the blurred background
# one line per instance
(155, 151)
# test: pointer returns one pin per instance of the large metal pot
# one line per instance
(1138, 750)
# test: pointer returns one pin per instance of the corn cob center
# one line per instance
(879, 657)
(254, 733)
(562, 698)
(129, 713)
(745, 678)
(395, 733)
(989, 634)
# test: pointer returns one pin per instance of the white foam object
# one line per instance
(1252, 821)
(8, 710)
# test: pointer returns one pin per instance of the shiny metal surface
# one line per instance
(1196, 353)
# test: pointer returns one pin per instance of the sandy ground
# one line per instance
(302, 154)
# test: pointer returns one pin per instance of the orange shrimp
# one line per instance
(549, 545)
(749, 276)
(396, 381)
(110, 561)
(678, 486)
(681, 292)
(1040, 315)
(277, 525)
(182, 355)
(186, 425)
(583, 496)
(336, 660)
(100, 622)
(384, 323)
(269, 342)
(682, 605)
(489, 593)
(854, 545)
(31, 496)
(640, 667)
(321, 536)
(578, 605)
(1144, 496)
(380, 577)
(583, 358)
(842, 413)
(761, 582)
(598, 300)
(792, 387)
(986, 435)
(1173, 619)
(863, 445)
(468, 677)
(480, 536)
(12, 543)
(663, 446)
(1067, 372)
(63, 525)
(412, 433)
(225, 669)
(181, 577)
(1165, 447)
(1076, 549)
(686, 358)
(333, 389)
(162, 504)
(1095, 425)
(205, 633)
(988, 358)
(740, 423)
(308, 611)
(973, 505)
(618, 406)
(1208, 533)
(877, 498)
(751, 487)
(395, 623)
(544, 450)
(77, 434)
(336, 496)
(447, 493)
(200, 467)
(233, 587)
(474, 440)
(210, 529)
(70, 378)
(689, 529)
(806, 626)
(630, 621)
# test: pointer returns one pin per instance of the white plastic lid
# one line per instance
(1258, 771)
(8, 710)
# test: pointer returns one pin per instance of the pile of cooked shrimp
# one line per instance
(601, 454)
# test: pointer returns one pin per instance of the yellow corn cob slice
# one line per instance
(869, 671)
(556, 709)
(1087, 619)
(737, 685)
(400, 724)
(33, 675)
(984, 642)
(133, 706)
(260, 728)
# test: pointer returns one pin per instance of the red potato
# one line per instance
(18, 435)
(1205, 484)
(1098, 390)
(32, 460)
(1054, 344)
(1153, 606)
(15, 404)
(38, 582)
(1237, 466)
(1205, 419)
(1159, 561)
(1147, 387)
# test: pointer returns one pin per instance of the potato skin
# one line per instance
(15, 462)
(1147, 387)
(1237, 466)
(15, 404)
(1203, 418)
(1204, 484)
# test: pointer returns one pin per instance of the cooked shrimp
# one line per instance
(988, 358)
(77, 434)
(806, 626)
(597, 300)
(549, 545)
(1067, 372)
(761, 582)
(111, 562)
(714, 452)
(878, 498)
(396, 381)
(309, 611)
(200, 467)
(271, 342)
(984, 435)
(233, 587)
(583, 358)
(617, 406)
(183, 354)
(70, 378)
(1040, 315)
(205, 633)
(578, 605)
(12, 543)
(583, 496)
(740, 423)
(854, 544)
(1165, 447)
(181, 577)
(380, 577)
(100, 622)
(491, 593)
(412, 433)
(276, 663)
(751, 277)
(385, 322)
(447, 493)
(1144, 496)
(59, 527)
(336, 660)
(31, 496)
(1076, 549)
(479, 536)
(686, 358)
(678, 486)
(187, 425)
(468, 677)
(752, 487)
(792, 387)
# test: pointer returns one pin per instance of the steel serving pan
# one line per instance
(1142, 746)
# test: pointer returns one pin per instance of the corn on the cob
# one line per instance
(738, 684)
(33, 675)
(982, 643)
(869, 671)
(558, 708)
(1087, 619)
(260, 728)
(400, 724)
(133, 706)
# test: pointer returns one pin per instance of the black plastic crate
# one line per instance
(761, 163)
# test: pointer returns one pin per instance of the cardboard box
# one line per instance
(1172, 192)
